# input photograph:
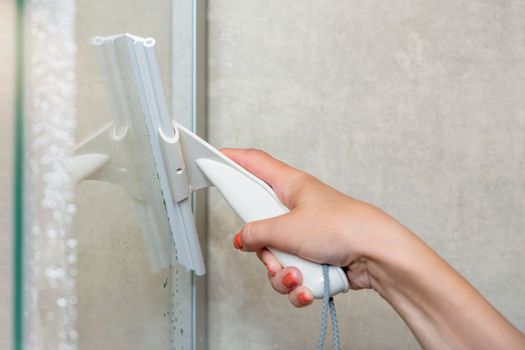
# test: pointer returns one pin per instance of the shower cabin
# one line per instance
(415, 107)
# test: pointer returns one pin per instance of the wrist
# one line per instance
(379, 249)
(399, 261)
(394, 256)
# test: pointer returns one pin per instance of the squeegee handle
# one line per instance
(253, 200)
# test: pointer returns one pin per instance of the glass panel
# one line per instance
(49, 119)
(88, 277)
(116, 282)
(7, 102)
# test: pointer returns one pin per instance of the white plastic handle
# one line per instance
(253, 200)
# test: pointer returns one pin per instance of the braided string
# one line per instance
(326, 297)
(336, 344)
(328, 305)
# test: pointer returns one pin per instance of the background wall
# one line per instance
(417, 107)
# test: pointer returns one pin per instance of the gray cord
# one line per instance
(328, 304)
(326, 297)
(335, 326)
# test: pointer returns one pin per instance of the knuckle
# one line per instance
(295, 183)
(301, 177)
(255, 153)
(253, 156)
(248, 236)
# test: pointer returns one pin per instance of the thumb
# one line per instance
(278, 232)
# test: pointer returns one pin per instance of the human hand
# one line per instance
(326, 226)
(323, 226)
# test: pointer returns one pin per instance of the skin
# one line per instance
(439, 306)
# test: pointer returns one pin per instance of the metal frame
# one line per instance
(189, 108)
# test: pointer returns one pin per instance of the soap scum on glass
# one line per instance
(51, 251)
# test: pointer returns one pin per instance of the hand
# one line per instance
(323, 226)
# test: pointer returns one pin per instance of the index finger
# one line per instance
(272, 171)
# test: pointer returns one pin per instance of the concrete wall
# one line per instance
(415, 106)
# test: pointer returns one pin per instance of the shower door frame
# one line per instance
(189, 108)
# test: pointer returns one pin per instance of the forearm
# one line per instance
(440, 307)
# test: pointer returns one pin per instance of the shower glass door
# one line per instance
(82, 278)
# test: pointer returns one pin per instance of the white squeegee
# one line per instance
(161, 163)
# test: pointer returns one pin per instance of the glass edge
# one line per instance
(18, 227)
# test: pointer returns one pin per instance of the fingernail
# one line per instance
(237, 241)
(289, 281)
(304, 299)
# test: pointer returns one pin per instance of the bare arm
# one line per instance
(439, 306)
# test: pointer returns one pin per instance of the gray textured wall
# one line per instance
(415, 106)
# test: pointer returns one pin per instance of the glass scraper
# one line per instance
(161, 163)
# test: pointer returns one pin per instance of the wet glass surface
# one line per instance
(90, 278)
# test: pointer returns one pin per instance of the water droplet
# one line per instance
(71, 243)
(71, 208)
(61, 302)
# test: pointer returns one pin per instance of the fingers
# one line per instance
(281, 232)
(299, 296)
(284, 280)
(288, 281)
(284, 179)
(260, 164)
(269, 260)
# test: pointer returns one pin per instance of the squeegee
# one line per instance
(161, 163)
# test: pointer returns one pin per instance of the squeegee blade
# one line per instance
(189, 241)
(140, 102)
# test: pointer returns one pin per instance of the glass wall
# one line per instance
(85, 278)
(7, 84)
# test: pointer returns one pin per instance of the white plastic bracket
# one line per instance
(107, 156)
(175, 166)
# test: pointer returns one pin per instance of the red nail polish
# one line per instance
(289, 281)
(304, 299)
(237, 241)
